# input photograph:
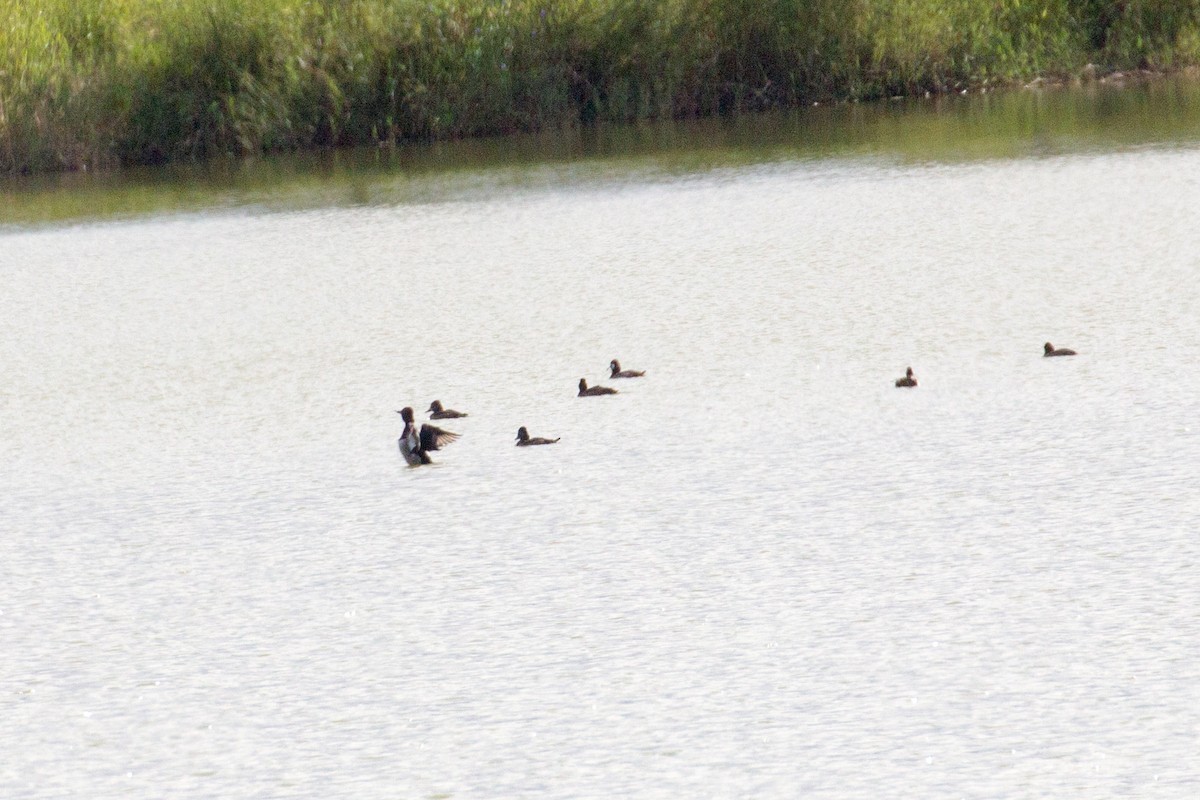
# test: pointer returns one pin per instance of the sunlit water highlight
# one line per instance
(760, 571)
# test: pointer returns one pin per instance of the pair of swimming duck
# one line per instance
(415, 444)
(909, 380)
(617, 372)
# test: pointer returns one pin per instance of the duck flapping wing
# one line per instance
(433, 437)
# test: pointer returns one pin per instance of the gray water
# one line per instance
(760, 571)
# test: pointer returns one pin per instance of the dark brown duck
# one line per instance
(437, 412)
(524, 440)
(593, 391)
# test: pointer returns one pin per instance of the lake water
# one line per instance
(760, 571)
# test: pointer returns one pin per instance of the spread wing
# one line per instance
(433, 437)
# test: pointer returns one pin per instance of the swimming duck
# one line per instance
(414, 445)
(908, 380)
(594, 391)
(437, 412)
(1062, 351)
(617, 372)
(523, 439)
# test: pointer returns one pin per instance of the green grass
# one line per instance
(101, 83)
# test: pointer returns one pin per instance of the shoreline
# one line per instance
(1111, 79)
(1092, 73)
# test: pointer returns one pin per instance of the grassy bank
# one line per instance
(98, 83)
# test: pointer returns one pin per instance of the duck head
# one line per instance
(435, 406)
(406, 413)
(522, 434)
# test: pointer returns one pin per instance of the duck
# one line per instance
(617, 372)
(908, 380)
(437, 412)
(1049, 350)
(593, 391)
(523, 439)
(415, 445)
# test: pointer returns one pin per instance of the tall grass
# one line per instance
(97, 83)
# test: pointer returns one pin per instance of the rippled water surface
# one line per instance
(760, 571)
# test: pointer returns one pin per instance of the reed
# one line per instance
(100, 83)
